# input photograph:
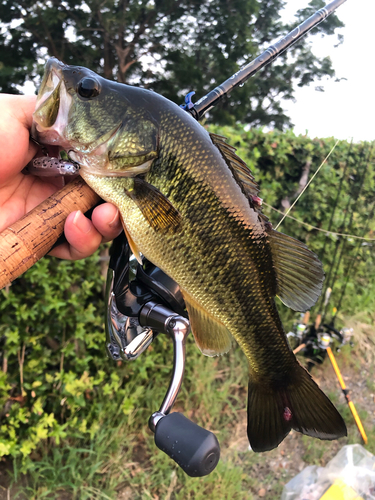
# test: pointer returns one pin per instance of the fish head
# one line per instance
(103, 125)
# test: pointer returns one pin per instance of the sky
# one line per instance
(346, 109)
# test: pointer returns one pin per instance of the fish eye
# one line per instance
(88, 88)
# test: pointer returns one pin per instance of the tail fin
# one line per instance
(273, 412)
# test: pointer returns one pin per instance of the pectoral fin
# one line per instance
(155, 207)
(299, 272)
(211, 336)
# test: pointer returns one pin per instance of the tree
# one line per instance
(169, 46)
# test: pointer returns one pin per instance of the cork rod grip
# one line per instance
(30, 238)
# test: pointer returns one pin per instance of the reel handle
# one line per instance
(194, 449)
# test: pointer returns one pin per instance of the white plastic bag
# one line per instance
(350, 474)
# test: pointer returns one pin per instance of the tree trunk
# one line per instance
(108, 65)
(285, 203)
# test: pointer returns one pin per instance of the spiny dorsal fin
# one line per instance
(299, 272)
(243, 177)
(210, 335)
(240, 170)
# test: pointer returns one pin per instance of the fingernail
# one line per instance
(116, 220)
(80, 221)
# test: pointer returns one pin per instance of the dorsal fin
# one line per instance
(299, 272)
(240, 170)
(243, 177)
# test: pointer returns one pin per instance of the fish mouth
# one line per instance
(53, 104)
(52, 113)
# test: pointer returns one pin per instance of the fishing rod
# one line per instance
(353, 263)
(205, 103)
(336, 200)
(41, 230)
(346, 394)
(347, 211)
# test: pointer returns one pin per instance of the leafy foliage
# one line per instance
(170, 47)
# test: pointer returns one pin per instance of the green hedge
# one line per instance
(56, 381)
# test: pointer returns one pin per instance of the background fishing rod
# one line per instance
(352, 267)
(327, 281)
(336, 202)
(349, 211)
(35, 231)
(356, 182)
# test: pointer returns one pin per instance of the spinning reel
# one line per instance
(141, 303)
(314, 339)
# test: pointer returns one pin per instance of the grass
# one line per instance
(121, 460)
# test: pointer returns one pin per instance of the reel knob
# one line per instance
(194, 449)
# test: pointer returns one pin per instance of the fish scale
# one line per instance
(191, 207)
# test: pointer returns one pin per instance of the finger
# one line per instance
(16, 148)
(18, 198)
(83, 239)
(106, 219)
(22, 107)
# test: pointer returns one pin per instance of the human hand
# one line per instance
(20, 193)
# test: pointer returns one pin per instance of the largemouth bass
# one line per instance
(191, 207)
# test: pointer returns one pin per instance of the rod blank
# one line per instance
(269, 55)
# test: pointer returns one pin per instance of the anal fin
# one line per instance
(211, 336)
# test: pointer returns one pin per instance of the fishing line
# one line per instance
(307, 185)
(333, 233)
